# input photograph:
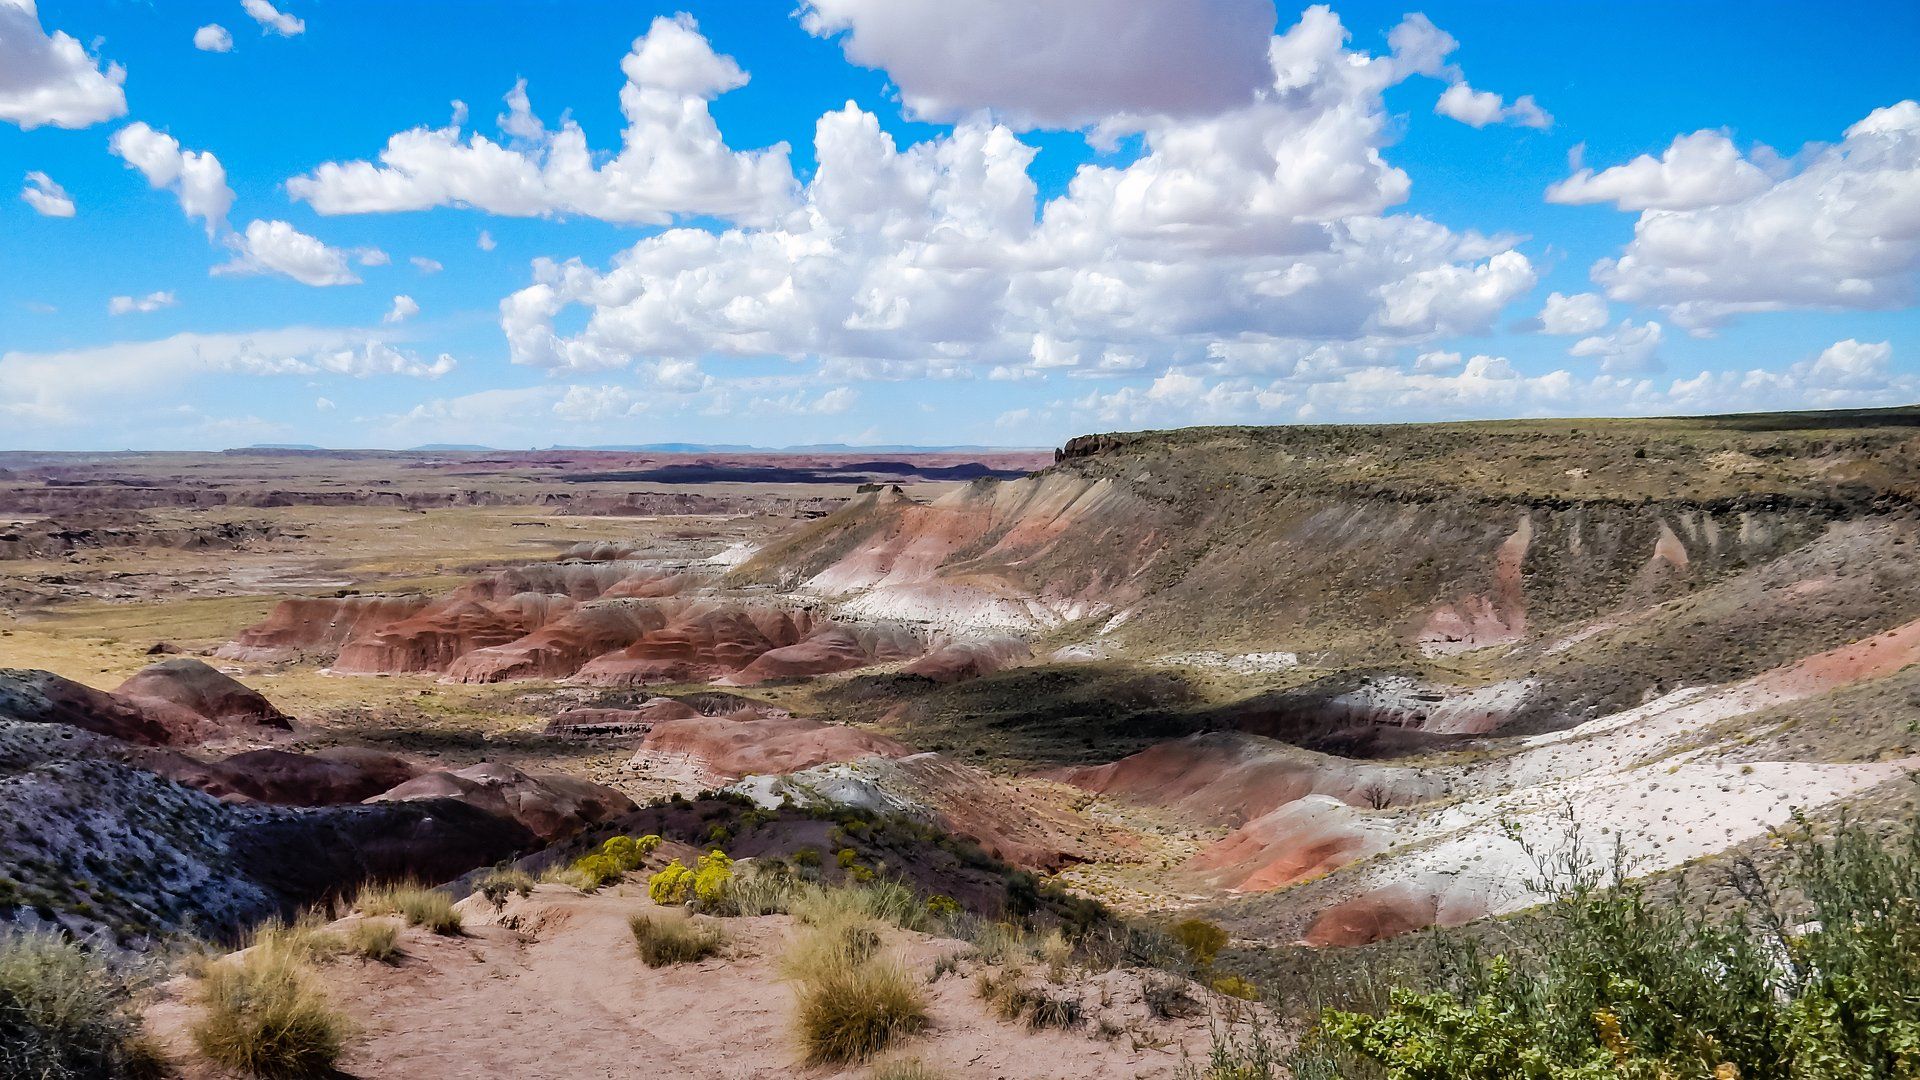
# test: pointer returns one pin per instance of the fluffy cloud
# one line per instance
(1847, 374)
(1441, 386)
(1478, 108)
(1060, 65)
(272, 20)
(73, 386)
(1720, 235)
(49, 78)
(1581, 313)
(1849, 365)
(128, 305)
(673, 161)
(403, 309)
(196, 177)
(1627, 348)
(1226, 238)
(46, 197)
(426, 265)
(276, 247)
(213, 38)
(484, 241)
(1701, 169)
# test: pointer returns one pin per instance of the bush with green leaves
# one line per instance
(1814, 976)
(1202, 940)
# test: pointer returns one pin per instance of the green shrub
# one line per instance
(674, 939)
(1608, 981)
(942, 907)
(1202, 940)
(1247, 1053)
(66, 1014)
(806, 856)
(847, 857)
(263, 1014)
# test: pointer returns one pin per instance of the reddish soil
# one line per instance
(708, 749)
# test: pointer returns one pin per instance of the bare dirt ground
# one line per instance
(550, 988)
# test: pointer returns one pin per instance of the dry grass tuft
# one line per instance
(501, 882)
(306, 938)
(905, 1069)
(66, 1014)
(263, 1014)
(853, 1000)
(850, 1012)
(419, 905)
(674, 939)
(374, 939)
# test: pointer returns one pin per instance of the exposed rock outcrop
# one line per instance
(970, 658)
(96, 844)
(41, 697)
(706, 751)
(316, 626)
(284, 778)
(193, 698)
(551, 805)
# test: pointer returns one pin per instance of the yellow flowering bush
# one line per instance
(671, 885)
(712, 877)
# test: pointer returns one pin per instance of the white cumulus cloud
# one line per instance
(46, 197)
(196, 177)
(1720, 234)
(213, 38)
(1228, 240)
(404, 308)
(1626, 349)
(128, 305)
(1581, 313)
(1478, 108)
(48, 78)
(673, 161)
(276, 247)
(1701, 169)
(272, 20)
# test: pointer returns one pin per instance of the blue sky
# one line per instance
(1092, 215)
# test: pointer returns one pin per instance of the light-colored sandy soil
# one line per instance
(551, 989)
